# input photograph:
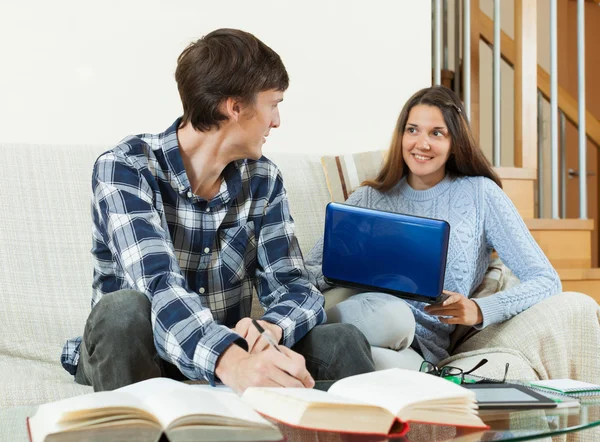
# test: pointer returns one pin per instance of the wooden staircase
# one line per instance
(566, 242)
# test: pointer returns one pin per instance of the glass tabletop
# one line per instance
(505, 425)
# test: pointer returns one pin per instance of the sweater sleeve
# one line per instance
(314, 262)
(507, 233)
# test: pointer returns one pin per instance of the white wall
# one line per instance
(75, 71)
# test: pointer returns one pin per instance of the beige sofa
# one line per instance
(46, 271)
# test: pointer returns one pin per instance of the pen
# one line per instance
(265, 335)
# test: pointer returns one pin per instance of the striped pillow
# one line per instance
(344, 173)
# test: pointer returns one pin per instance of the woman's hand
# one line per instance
(461, 310)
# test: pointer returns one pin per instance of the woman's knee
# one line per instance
(385, 320)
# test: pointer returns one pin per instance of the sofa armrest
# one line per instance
(559, 337)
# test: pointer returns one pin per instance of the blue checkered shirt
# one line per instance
(197, 261)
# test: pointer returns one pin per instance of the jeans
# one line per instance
(385, 320)
(118, 349)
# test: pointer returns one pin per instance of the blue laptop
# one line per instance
(387, 252)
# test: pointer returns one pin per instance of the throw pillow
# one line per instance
(344, 173)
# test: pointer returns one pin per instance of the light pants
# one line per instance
(385, 320)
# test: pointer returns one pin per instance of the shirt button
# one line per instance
(189, 194)
(208, 209)
(206, 250)
(201, 290)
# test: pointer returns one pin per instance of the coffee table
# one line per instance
(505, 426)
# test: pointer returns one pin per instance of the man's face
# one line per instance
(257, 121)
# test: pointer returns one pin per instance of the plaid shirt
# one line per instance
(197, 261)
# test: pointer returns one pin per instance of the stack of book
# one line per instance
(565, 389)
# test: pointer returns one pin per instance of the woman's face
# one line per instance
(425, 146)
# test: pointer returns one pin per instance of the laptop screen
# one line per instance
(393, 253)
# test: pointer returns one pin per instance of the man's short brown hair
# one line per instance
(225, 63)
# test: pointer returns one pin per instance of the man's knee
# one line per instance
(335, 351)
(119, 313)
(341, 336)
(118, 345)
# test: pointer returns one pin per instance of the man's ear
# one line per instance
(233, 108)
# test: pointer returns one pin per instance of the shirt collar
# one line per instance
(178, 176)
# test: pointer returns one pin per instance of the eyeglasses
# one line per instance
(457, 375)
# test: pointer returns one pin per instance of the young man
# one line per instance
(186, 223)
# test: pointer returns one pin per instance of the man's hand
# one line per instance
(460, 309)
(256, 343)
(270, 368)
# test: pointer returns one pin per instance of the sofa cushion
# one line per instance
(45, 245)
(307, 193)
(28, 382)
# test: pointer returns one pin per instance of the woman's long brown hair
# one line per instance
(466, 158)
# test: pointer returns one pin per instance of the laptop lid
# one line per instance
(374, 250)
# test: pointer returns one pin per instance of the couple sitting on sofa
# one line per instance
(186, 223)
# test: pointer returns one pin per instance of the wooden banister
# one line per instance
(475, 36)
(525, 89)
(566, 102)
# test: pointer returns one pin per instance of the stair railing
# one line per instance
(532, 86)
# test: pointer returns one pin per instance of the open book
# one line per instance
(145, 410)
(382, 402)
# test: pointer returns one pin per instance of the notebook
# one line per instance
(388, 252)
(570, 387)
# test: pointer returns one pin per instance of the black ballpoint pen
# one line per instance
(265, 335)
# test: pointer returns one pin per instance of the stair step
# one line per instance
(581, 280)
(566, 242)
(560, 224)
(518, 183)
(516, 173)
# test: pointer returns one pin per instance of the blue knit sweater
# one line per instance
(481, 218)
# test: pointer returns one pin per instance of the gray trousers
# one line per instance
(118, 349)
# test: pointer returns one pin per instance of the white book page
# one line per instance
(171, 405)
(151, 387)
(45, 421)
(397, 388)
(307, 395)
(170, 400)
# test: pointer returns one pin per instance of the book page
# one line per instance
(170, 400)
(210, 407)
(308, 395)
(48, 417)
(314, 409)
(149, 387)
(397, 388)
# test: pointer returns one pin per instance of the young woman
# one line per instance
(435, 169)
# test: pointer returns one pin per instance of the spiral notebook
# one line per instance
(569, 387)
